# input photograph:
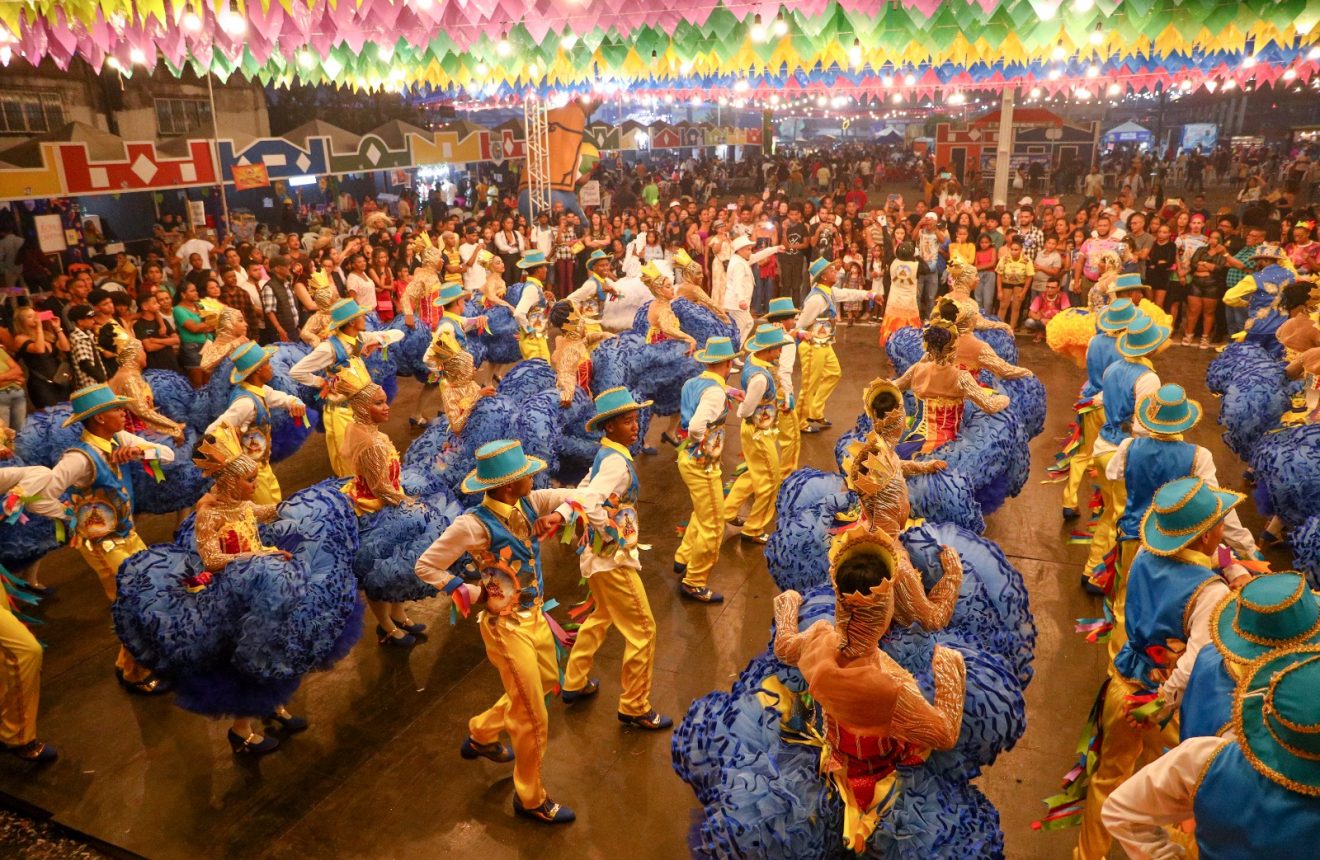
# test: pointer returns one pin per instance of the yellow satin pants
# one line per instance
(20, 683)
(760, 482)
(268, 487)
(620, 601)
(105, 558)
(700, 549)
(1114, 495)
(522, 649)
(532, 346)
(820, 376)
(1117, 600)
(1091, 422)
(336, 420)
(790, 441)
(1123, 751)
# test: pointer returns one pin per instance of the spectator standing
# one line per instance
(40, 344)
(86, 357)
(159, 338)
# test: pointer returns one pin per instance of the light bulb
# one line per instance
(1290, 74)
(1035, 92)
(1083, 6)
(422, 4)
(855, 52)
(1314, 53)
(502, 47)
(1058, 53)
(569, 41)
(898, 99)
(1113, 89)
(1055, 74)
(821, 101)
(886, 80)
(113, 62)
(1093, 71)
(1096, 36)
(1047, 12)
(306, 59)
(1248, 61)
(480, 69)
(137, 57)
(232, 23)
(758, 31)
(1230, 84)
(192, 22)
(781, 26)
(910, 79)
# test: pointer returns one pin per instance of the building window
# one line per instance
(30, 112)
(182, 116)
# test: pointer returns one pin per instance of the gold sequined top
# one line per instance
(376, 471)
(128, 382)
(226, 530)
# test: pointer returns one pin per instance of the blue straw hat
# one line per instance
(1126, 281)
(596, 256)
(344, 312)
(717, 349)
(1120, 314)
(1168, 411)
(1142, 338)
(817, 266)
(1182, 511)
(498, 463)
(448, 293)
(93, 400)
(767, 337)
(532, 259)
(1276, 717)
(1276, 610)
(247, 358)
(781, 309)
(613, 402)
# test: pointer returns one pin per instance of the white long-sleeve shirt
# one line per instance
(738, 282)
(1146, 385)
(475, 276)
(784, 373)
(32, 481)
(815, 304)
(323, 355)
(1199, 616)
(242, 411)
(611, 479)
(708, 409)
(361, 288)
(756, 387)
(75, 470)
(510, 247)
(531, 294)
(1160, 794)
(1203, 467)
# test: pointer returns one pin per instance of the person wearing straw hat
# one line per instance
(604, 519)
(100, 511)
(1143, 464)
(532, 312)
(1272, 271)
(782, 313)
(346, 342)
(759, 411)
(450, 358)
(815, 331)
(1254, 794)
(599, 286)
(503, 536)
(1125, 384)
(1172, 590)
(1276, 610)
(1101, 351)
(248, 413)
(739, 283)
(703, 409)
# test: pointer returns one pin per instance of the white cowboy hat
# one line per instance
(742, 242)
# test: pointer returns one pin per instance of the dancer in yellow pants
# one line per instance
(503, 534)
(532, 313)
(759, 412)
(815, 330)
(343, 348)
(604, 518)
(703, 409)
(783, 314)
(102, 501)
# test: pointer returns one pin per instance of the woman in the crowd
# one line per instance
(194, 331)
(42, 348)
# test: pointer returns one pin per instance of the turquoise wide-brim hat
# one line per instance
(498, 463)
(1168, 411)
(448, 293)
(1119, 315)
(596, 256)
(1272, 611)
(1142, 339)
(1183, 510)
(613, 402)
(93, 400)
(247, 358)
(345, 311)
(532, 259)
(767, 337)
(1126, 281)
(818, 265)
(1276, 717)
(781, 309)
(717, 349)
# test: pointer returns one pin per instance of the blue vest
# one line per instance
(630, 497)
(1243, 815)
(1207, 702)
(1101, 352)
(1159, 592)
(1270, 282)
(1118, 386)
(751, 370)
(823, 328)
(528, 552)
(1151, 463)
(691, 396)
(342, 356)
(105, 509)
(448, 324)
(830, 310)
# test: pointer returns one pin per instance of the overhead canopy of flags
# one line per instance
(500, 47)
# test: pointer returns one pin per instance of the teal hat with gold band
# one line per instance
(1125, 282)
(345, 311)
(1168, 411)
(767, 337)
(532, 260)
(717, 349)
(1142, 338)
(1276, 717)
(596, 256)
(613, 402)
(93, 400)
(1272, 611)
(247, 358)
(499, 463)
(1117, 316)
(1181, 511)
(818, 266)
(781, 309)
(449, 293)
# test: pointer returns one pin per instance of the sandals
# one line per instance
(149, 686)
(250, 745)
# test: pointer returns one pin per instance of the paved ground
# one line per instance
(377, 775)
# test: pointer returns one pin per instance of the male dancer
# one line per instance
(815, 330)
(759, 411)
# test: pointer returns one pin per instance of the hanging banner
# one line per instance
(250, 176)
